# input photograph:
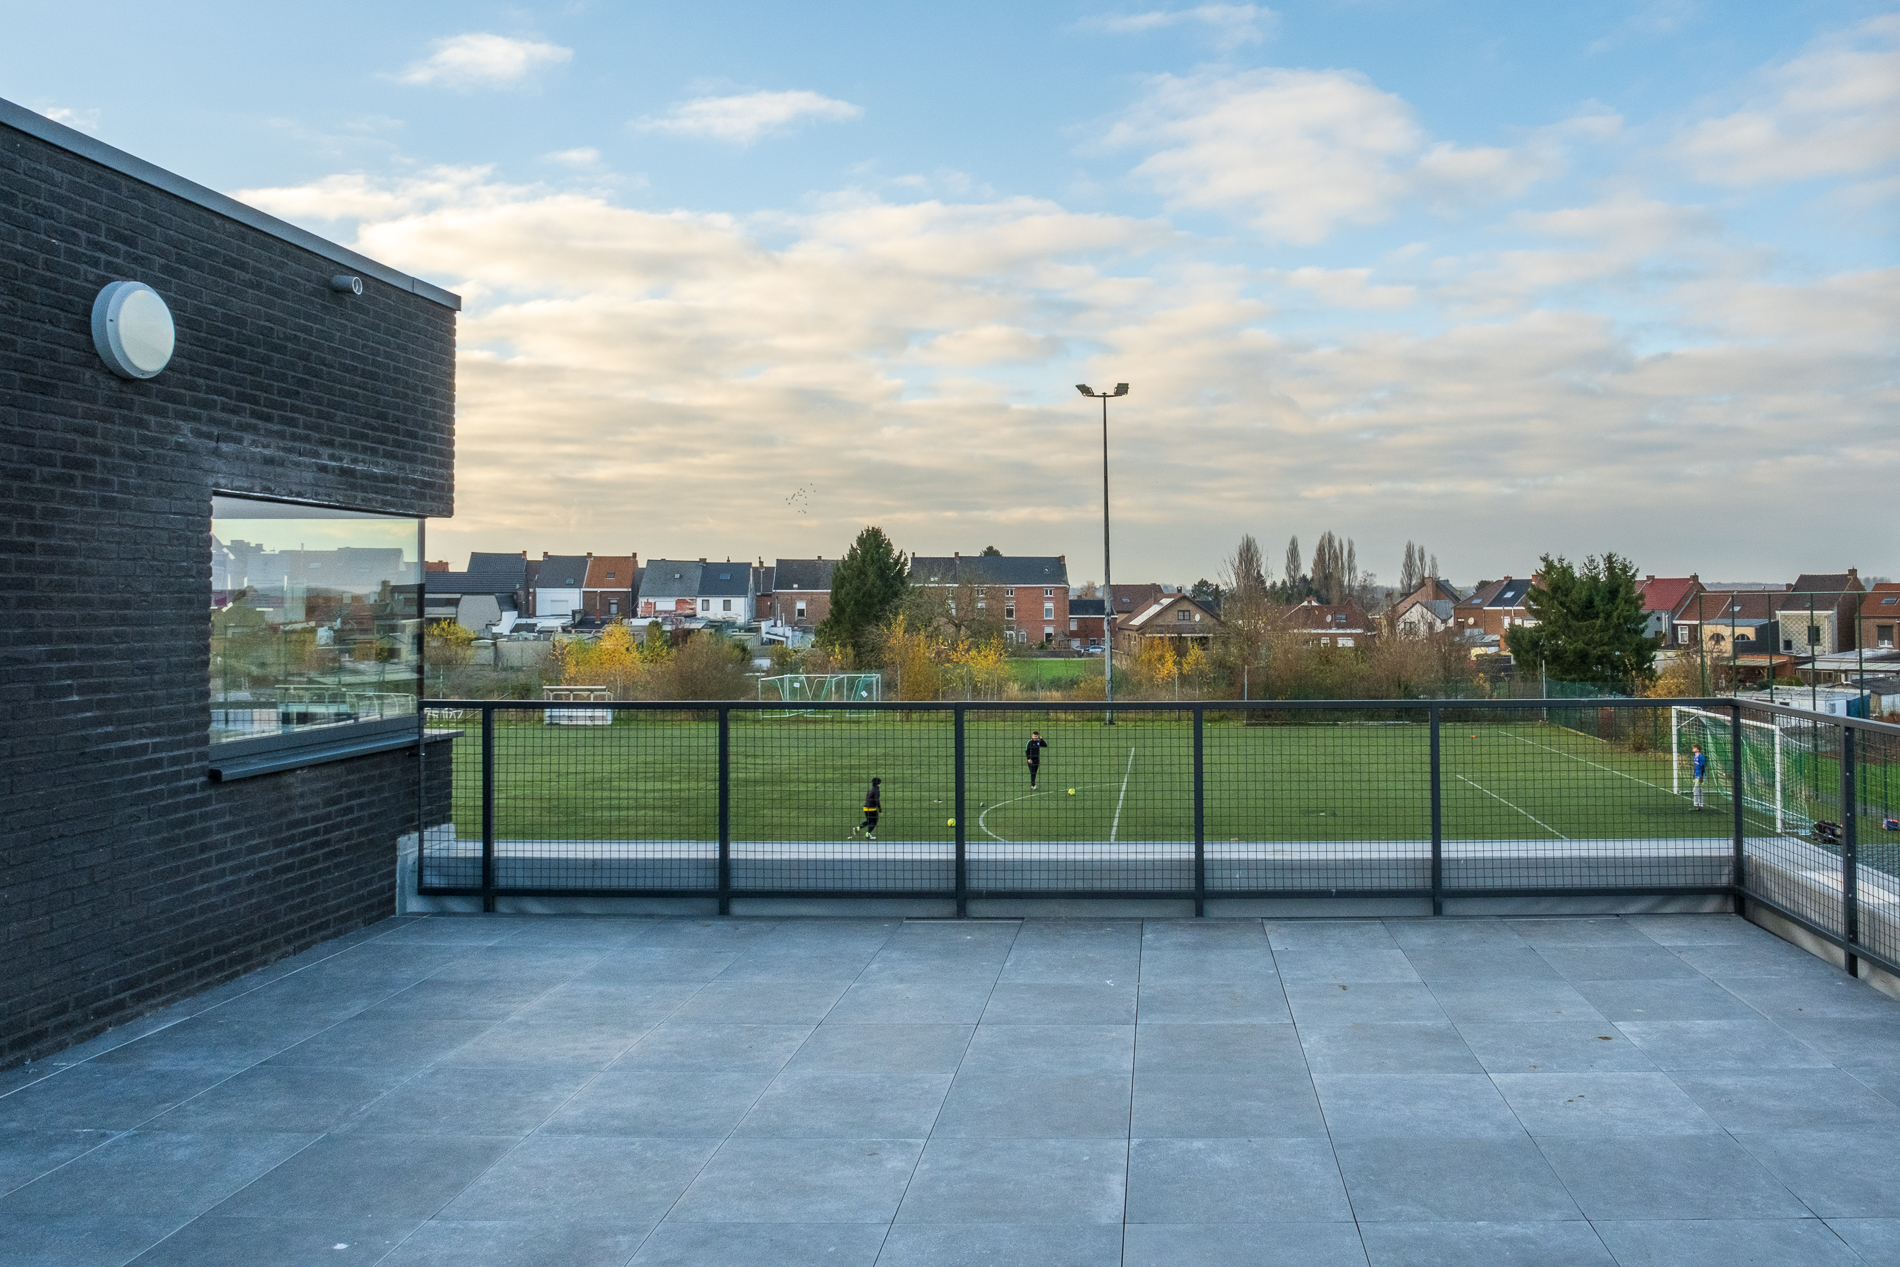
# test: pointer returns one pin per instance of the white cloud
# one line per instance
(582, 156)
(84, 120)
(1833, 110)
(479, 59)
(743, 118)
(1231, 25)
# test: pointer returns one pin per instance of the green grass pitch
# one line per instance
(802, 779)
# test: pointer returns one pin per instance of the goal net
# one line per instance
(1769, 758)
(797, 690)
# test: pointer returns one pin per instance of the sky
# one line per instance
(741, 278)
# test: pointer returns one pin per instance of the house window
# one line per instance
(1009, 592)
(1345, 642)
(1072, 626)
(1183, 615)
(1883, 634)
(315, 623)
(1009, 611)
(610, 576)
(613, 607)
(798, 611)
(981, 603)
(1682, 633)
(725, 604)
(705, 604)
(1049, 593)
(1325, 642)
(1048, 632)
(1048, 611)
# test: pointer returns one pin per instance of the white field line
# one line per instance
(1574, 757)
(1116, 825)
(984, 827)
(1526, 813)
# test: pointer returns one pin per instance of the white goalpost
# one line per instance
(795, 690)
(1762, 762)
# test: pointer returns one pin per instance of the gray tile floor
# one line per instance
(476, 1090)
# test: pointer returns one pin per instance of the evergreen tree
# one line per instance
(1292, 565)
(1590, 625)
(991, 552)
(867, 588)
(1409, 570)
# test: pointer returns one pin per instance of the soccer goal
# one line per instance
(1762, 759)
(796, 690)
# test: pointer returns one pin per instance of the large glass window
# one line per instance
(315, 620)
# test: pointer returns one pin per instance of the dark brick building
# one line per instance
(140, 861)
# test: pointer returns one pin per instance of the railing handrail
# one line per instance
(1090, 706)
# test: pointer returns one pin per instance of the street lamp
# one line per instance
(1108, 599)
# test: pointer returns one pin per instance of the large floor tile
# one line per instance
(1165, 1050)
(1036, 1106)
(888, 1048)
(1439, 1106)
(108, 1098)
(1215, 1002)
(1618, 963)
(155, 1173)
(268, 1098)
(1553, 1047)
(1685, 999)
(1038, 1181)
(226, 1036)
(1376, 1047)
(1478, 963)
(1875, 1240)
(1572, 1243)
(83, 1240)
(468, 1102)
(752, 1244)
(759, 1003)
(217, 1241)
(1572, 930)
(1837, 1172)
(369, 1176)
(1412, 1180)
(1451, 933)
(1195, 965)
(362, 1042)
(1790, 1100)
(1514, 1001)
(1237, 1103)
(1836, 996)
(1086, 951)
(658, 1103)
(994, 1244)
(1292, 1244)
(1724, 1242)
(1699, 930)
(1037, 1049)
(1602, 1104)
(1234, 1181)
(911, 1003)
(582, 1178)
(1349, 966)
(1721, 1046)
(1341, 935)
(1061, 1003)
(847, 1106)
(519, 1243)
(715, 1048)
(800, 1180)
(436, 998)
(25, 1155)
(530, 1042)
(656, 964)
(1318, 1002)
(1687, 1177)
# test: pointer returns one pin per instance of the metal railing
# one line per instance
(1434, 800)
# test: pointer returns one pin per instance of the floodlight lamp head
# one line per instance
(1121, 389)
(1084, 389)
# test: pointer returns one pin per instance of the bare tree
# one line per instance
(1292, 563)
(1245, 571)
(1329, 568)
(1409, 578)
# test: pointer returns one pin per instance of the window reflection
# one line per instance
(314, 618)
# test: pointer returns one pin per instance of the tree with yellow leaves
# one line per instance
(1155, 666)
(912, 655)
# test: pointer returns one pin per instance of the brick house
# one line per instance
(1819, 613)
(1494, 608)
(1085, 622)
(1031, 592)
(683, 590)
(1880, 616)
(1665, 599)
(1425, 611)
(1176, 617)
(798, 592)
(607, 588)
(1331, 624)
(558, 583)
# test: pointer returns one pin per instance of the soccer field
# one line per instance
(651, 777)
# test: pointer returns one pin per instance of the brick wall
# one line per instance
(129, 879)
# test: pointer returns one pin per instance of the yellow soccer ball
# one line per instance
(1071, 791)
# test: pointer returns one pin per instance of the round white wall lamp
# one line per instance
(132, 328)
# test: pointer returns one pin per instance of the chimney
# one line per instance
(702, 558)
(956, 554)
(590, 554)
(544, 554)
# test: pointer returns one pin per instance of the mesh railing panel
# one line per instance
(1877, 824)
(1317, 801)
(798, 801)
(1792, 773)
(1572, 797)
(1111, 809)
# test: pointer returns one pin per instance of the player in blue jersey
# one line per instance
(1699, 764)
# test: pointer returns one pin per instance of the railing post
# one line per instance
(1738, 868)
(1438, 821)
(1850, 851)
(725, 810)
(962, 866)
(488, 808)
(1200, 817)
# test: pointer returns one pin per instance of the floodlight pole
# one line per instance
(1108, 600)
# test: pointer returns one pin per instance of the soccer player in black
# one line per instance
(873, 805)
(1032, 754)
